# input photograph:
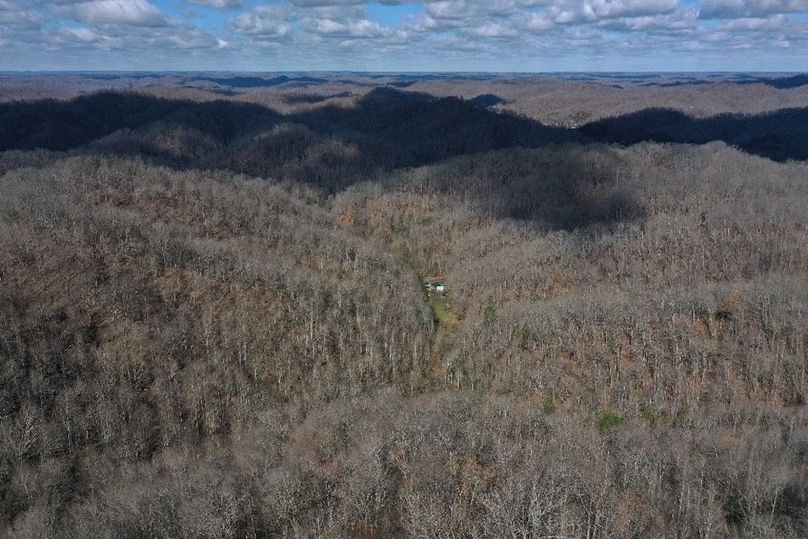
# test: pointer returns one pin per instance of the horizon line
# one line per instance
(393, 72)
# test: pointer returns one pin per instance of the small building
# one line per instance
(435, 286)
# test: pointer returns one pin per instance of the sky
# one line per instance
(404, 35)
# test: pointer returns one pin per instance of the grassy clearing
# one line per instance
(441, 311)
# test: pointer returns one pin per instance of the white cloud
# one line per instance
(193, 38)
(332, 12)
(84, 35)
(263, 24)
(219, 4)
(754, 24)
(665, 23)
(539, 23)
(357, 29)
(733, 9)
(123, 12)
(14, 16)
(631, 8)
(496, 30)
(430, 34)
(328, 3)
(593, 10)
(82, 38)
(465, 9)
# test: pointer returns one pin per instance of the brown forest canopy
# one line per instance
(213, 320)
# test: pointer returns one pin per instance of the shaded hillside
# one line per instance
(777, 135)
(258, 82)
(396, 118)
(780, 82)
(62, 125)
(487, 100)
(387, 129)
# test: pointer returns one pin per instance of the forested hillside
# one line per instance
(213, 320)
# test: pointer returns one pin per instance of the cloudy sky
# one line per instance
(405, 35)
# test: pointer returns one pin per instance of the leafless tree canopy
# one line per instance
(213, 319)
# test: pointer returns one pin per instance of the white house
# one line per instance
(435, 286)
